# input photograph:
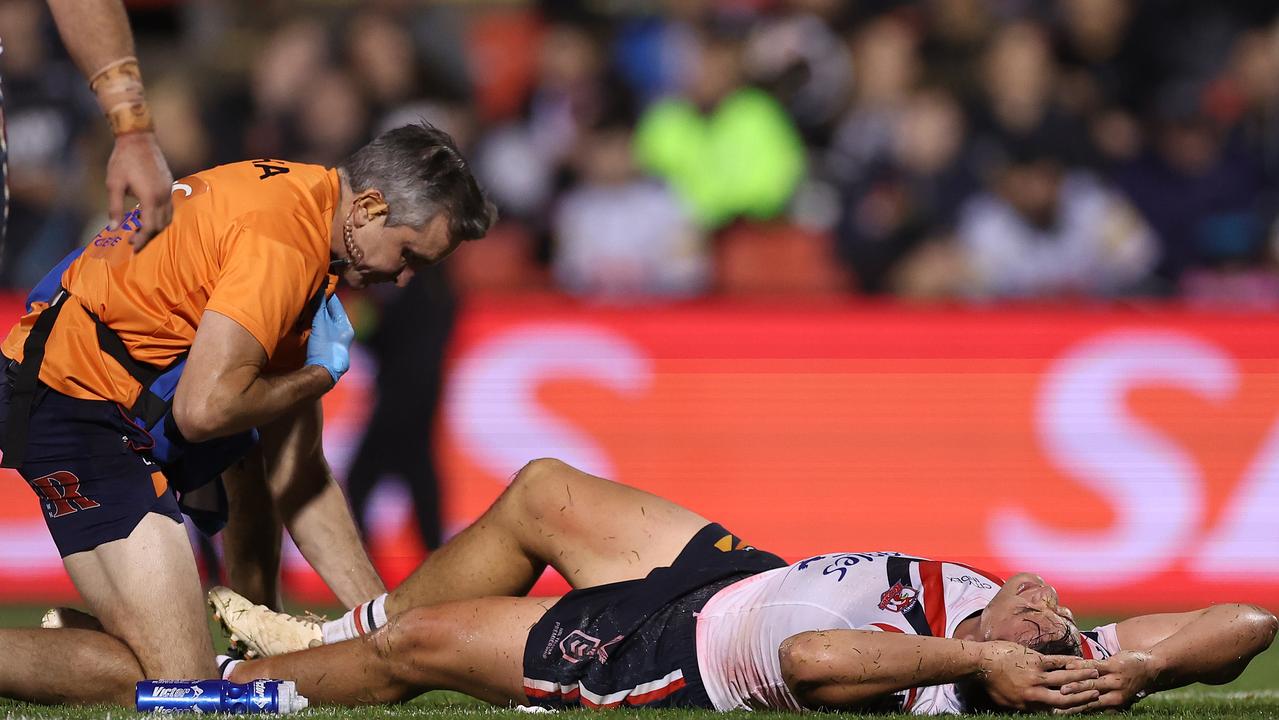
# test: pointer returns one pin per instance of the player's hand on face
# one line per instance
(1122, 680)
(137, 167)
(1019, 678)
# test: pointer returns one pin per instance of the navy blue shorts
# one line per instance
(88, 465)
(634, 643)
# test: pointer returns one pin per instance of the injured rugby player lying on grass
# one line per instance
(671, 609)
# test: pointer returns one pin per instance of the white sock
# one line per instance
(358, 621)
(226, 664)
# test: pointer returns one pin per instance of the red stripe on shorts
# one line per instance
(655, 695)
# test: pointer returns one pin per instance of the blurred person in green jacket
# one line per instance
(728, 150)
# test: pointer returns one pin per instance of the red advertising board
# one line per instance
(1131, 456)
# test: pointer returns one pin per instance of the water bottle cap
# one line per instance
(288, 700)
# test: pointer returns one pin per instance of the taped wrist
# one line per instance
(121, 96)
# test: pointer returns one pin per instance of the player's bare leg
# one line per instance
(475, 647)
(145, 590)
(593, 531)
(66, 666)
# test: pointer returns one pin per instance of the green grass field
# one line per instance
(1255, 695)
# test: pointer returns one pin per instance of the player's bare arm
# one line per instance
(850, 669)
(1171, 650)
(97, 35)
(312, 506)
(223, 389)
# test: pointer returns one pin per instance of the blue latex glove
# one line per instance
(330, 343)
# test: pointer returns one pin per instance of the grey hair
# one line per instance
(420, 172)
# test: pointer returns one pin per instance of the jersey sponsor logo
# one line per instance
(551, 642)
(111, 236)
(839, 564)
(60, 494)
(579, 646)
(898, 598)
(970, 580)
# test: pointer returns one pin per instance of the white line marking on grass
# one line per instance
(1184, 694)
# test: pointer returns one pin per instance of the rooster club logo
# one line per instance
(898, 598)
(579, 646)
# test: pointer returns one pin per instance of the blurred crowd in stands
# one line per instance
(650, 149)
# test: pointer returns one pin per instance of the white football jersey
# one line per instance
(741, 627)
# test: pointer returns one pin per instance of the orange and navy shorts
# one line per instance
(88, 466)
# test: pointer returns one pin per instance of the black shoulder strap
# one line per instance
(22, 397)
(312, 305)
(149, 406)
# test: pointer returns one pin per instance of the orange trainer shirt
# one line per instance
(248, 240)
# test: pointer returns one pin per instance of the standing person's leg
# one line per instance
(4, 177)
(423, 479)
(433, 317)
(370, 462)
(408, 450)
(475, 647)
(591, 530)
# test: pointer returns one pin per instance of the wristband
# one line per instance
(120, 95)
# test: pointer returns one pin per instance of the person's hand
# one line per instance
(1123, 679)
(330, 343)
(1019, 678)
(138, 167)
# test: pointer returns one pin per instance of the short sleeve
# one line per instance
(263, 285)
(1101, 642)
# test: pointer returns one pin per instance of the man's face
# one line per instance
(393, 254)
(1025, 611)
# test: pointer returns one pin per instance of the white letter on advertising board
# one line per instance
(1152, 486)
(492, 398)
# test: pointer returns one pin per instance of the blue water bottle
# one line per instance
(276, 697)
